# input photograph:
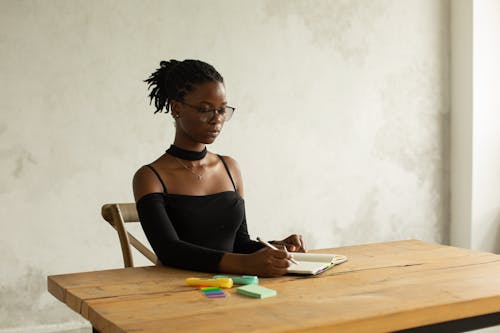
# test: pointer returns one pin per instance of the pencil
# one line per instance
(275, 248)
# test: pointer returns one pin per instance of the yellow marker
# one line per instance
(221, 282)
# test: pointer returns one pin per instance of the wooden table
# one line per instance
(383, 287)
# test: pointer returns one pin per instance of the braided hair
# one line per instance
(176, 78)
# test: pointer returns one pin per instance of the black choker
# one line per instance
(187, 155)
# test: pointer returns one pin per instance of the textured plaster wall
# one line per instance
(341, 129)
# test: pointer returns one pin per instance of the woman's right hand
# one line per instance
(267, 262)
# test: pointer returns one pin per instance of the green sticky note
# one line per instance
(255, 290)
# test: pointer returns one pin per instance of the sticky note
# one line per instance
(213, 292)
(208, 292)
(255, 290)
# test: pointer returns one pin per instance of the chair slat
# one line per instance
(143, 249)
(117, 214)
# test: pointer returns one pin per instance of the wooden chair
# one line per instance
(117, 214)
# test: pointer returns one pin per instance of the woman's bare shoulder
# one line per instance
(144, 182)
(234, 169)
(232, 164)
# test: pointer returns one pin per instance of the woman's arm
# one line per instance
(160, 232)
(163, 238)
(242, 242)
(172, 251)
(265, 262)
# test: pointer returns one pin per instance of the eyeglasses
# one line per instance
(206, 114)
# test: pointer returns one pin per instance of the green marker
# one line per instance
(245, 279)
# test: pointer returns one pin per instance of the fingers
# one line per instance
(302, 244)
(295, 243)
(278, 258)
(280, 263)
(270, 262)
(280, 254)
(279, 266)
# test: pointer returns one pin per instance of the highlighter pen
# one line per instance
(220, 283)
(275, 248)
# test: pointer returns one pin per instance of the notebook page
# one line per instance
(315, 257)
(306, 267)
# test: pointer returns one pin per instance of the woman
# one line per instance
(190, 201)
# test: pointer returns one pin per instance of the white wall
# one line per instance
(475, 125)
(342, 126)
(485, 233)
(461, 86)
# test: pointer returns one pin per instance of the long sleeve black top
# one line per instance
(194, 232)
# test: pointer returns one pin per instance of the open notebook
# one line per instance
(314, 263)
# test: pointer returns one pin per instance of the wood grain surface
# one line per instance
(382, 287)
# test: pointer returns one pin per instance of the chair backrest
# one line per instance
(117, 214)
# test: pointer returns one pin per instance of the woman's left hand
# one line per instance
(293, 243)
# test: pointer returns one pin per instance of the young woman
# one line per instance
(189, 200)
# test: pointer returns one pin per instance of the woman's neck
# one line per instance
(182, 143)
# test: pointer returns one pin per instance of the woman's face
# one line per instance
(195, 125)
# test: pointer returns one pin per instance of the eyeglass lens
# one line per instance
(226, 113)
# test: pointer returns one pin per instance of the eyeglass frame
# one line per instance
(204, 111)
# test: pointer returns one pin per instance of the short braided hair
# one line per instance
(176, 78)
